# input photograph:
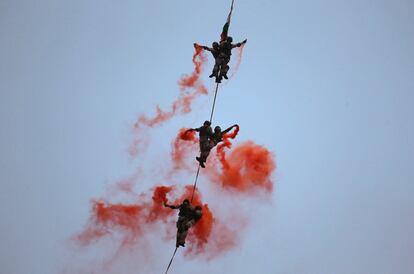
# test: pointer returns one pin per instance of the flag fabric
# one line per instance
(226, 26)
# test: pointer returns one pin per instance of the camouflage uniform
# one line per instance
(187, 217)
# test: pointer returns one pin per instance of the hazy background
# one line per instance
(326, 85)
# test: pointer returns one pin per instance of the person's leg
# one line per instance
(205, 152)
(225, 68)
(216, 67)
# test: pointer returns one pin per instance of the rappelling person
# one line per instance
(217, 136)
(187, 217)
(215, 51)
(221, 53)
(225, 46)
(209, 140)
(205, 133)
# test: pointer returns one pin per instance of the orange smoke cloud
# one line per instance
(249, 166)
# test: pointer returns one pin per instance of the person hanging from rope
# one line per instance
(210, 142)
(205, 133)
(215, 51)
(218, 134)
(222, 54)
(226, 46)
(222, 51)
(187, 217)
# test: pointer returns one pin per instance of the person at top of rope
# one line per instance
(215, 51)
(205, 133)
(221, 53)
(226, 45)
(187, 217)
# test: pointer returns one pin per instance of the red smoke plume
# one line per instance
(226, 144)
(193, 80)
(134, 221)
(180, 106)
(181, 147)
(248, 167)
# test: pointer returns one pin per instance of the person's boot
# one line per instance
(218, 79)
(225, 76)
(199, 160)
(211, 75)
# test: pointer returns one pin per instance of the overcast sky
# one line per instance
(328, 86)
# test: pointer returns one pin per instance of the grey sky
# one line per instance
(326, 85)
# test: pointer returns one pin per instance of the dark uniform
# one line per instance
(225, 53)
(205, 133)
(218, 60)
(187, 217)
(218, 134)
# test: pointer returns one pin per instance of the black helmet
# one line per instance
(215, 44)
(207, 123)
(229, 39)
(186, 201)
(217, 129)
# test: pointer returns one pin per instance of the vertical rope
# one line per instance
(195, 183)
(214, 103)
(172, 258)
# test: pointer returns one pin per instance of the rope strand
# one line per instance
(172, 258)
(195, 183)
(214, 103)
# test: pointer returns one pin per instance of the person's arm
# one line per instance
(239, 44)
(194, 129)
(230, 128)
(172, 206)
(203, 47)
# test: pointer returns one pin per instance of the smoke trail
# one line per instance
(193, 80)
(226, 144)
(182, 105)
(182, 147)
(239, 56)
